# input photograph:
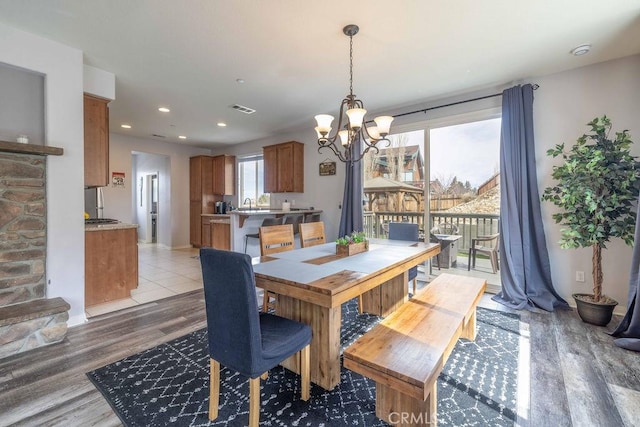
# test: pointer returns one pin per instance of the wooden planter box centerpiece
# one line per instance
(351, 245)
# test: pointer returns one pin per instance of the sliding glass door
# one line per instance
(394, 182)
(464, 197)
(444, 176)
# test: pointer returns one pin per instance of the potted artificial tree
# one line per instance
(595, 190)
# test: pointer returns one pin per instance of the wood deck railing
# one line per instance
(469, 225)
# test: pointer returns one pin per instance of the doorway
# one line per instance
(151, 196)
(153, 210)
(463, 209)
(148, 207)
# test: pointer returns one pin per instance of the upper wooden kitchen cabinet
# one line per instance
(201, 197)
(96, 141)
(224, 175)
(284, 168)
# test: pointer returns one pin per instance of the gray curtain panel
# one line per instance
(524, 267)
(351, 218)
(628, 331)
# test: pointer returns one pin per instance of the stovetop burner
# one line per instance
(101, 221)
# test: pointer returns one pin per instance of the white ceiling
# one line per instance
(187, 55)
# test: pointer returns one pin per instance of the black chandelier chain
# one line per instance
(351, 65)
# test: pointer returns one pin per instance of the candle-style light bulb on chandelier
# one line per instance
(352, 113)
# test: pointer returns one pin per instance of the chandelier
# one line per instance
(352, 114)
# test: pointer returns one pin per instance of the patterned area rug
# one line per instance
(169, 384)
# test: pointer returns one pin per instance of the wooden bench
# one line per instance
(406, 351)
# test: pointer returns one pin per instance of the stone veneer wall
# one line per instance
(27, 319)
(23, 226)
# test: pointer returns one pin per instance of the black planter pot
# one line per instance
(598, 314)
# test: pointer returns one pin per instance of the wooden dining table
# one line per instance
(311, 285)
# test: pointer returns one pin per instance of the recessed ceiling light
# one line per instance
(182, 137)
(222, 125)
(126, 126)
(581, 50)
(164, 109)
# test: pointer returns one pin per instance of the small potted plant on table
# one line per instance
(595, 190)
(354, 244)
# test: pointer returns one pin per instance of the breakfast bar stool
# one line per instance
(294, 220)
(265, 223)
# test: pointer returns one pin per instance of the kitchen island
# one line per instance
(111, 262)
(245, 222)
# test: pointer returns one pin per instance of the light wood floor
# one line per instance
(576, 376)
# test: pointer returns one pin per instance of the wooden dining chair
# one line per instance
(312, 234)
(274, 239)
(240, 337)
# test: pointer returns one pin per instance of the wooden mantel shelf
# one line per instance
(43, 150)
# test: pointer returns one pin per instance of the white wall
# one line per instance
(563, 106)
(22, 105)
(62, 67)
(99, 82)
(321, 192)
(119, 203)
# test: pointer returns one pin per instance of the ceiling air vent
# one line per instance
(158, 136)
(243, 109)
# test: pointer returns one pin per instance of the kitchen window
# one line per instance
(251, 182)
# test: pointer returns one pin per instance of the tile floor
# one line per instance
(161, 273)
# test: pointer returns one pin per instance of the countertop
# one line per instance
(245, 214)
(273, 212)
(105, 227)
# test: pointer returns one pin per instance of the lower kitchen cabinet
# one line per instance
(111, 263)
(205, 239)
(221, 235)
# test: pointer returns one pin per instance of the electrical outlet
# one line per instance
(579, 276)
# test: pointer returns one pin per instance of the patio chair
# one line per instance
(486, 245)
(241, 338)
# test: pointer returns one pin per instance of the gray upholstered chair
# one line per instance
(406, 231)
(240, 337)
